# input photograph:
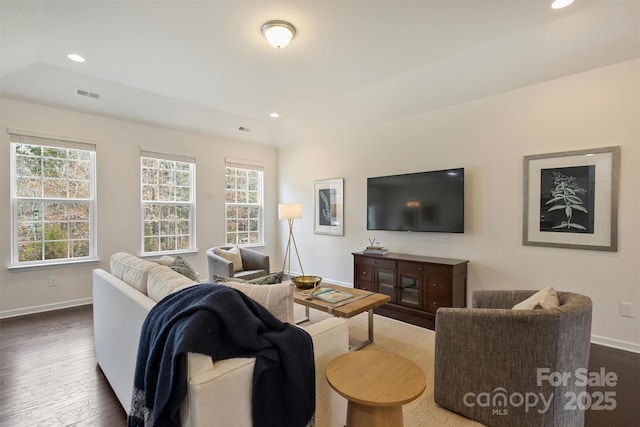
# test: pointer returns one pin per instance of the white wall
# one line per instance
(118, 161)
(489, 137)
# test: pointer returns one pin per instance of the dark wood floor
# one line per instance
(626, 392)
(49, 376)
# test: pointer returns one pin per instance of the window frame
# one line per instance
(44, 140)
(245, 165)
(159, 155)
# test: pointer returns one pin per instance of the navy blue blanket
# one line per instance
(223, 323)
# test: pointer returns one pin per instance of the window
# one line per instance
(243, 193)
(168, 207)
(52, 200)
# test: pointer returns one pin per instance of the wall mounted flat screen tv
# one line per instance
(425, 201)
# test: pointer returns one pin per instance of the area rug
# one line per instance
(416, 344)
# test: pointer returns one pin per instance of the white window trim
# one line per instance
(166, 154)
(20, 136)
(249, 165)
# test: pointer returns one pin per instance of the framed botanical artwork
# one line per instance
(329, 210)
(571, 199)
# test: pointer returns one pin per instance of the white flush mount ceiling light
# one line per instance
(278, 33)
(274, 115)
(559, 4)
(75, 57)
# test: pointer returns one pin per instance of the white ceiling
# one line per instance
(204, 65)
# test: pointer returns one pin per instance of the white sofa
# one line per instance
(218, 393)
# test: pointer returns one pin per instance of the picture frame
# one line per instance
(571, 199)
(329, 209)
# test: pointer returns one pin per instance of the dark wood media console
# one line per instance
(417, 285)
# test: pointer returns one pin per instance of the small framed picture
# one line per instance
(329, 210)
(571, 199)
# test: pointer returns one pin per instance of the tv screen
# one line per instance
(424, 201)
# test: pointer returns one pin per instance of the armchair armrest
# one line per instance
(498, 351)
(478, 350)
(218, 266)
(254, 260)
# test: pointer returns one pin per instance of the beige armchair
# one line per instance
(502, 367)
(254, 264)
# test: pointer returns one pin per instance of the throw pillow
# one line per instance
(545, 298)
(224, 280)
(278, 298)
(180, 265)
(232, 255)
(269, 279)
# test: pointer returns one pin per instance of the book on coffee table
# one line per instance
(331, 295)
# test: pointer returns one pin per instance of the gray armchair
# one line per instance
(488, 356)
(255, 264)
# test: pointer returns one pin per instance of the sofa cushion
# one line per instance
(162, 281)
(180, 265)
(232, 255)
(131, 270)
(278, 298)
(163, 260)
(545, 298)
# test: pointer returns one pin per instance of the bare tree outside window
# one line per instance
(53, 203)
(243, 202)
(167, 195)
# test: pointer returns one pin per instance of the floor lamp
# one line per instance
(290, 211)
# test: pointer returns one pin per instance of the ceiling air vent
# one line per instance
(87, 94)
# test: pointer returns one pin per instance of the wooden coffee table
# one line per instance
(362, 301)
(376, 384)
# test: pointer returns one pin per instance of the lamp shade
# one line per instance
(278, 33)
(559, 4)
(290, 210)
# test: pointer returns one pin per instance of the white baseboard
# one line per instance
(44, 308)
(619, 344)
(595, 339)
(338, 282)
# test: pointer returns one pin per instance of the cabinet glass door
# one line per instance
(410, 290)
(386, 282)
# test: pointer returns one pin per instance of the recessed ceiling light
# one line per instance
(559, 4)
(75, 57)
(274, 115)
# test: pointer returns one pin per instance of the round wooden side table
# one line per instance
(376, 384)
